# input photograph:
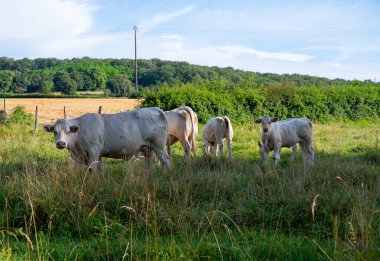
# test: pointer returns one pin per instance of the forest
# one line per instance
(115, 77)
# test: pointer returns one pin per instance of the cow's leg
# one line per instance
(94, 160)
(229, 147)
(220, 147)
(214, 149)
(186, 147)
(307, 153)
(294, 151)
(149, 156)
(162, 156)
(309, 149)
(206, 146)
(276, 154)
(193, 145)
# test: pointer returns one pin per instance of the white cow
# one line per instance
(215, 130)
(183, 127)
(287, 133)
(121, 135)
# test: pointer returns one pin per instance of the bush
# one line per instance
(19, 115)
(242, 103)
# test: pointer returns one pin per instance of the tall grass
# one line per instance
(53, 209)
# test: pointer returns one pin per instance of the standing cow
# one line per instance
(287, 133)
(183, 127)
(215, 130)
(121, 135)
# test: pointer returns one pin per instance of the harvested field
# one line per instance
(51, 109)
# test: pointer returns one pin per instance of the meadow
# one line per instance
(206, 209)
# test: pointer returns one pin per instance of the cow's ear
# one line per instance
(258, 121)
(259, 143)
(74, 129)
(274, 119)
(49, 128)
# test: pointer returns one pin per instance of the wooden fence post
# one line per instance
(64, 112)
(100, 109)
(36, 121)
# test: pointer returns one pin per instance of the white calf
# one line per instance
(287, 133)
(215, 130)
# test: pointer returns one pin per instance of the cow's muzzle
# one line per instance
(61, 145)
(265, 129)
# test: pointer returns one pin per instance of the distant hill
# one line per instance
(116, 76)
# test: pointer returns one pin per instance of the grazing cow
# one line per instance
(183, 127)
(287, 133)
(215, 130)
(121, 135)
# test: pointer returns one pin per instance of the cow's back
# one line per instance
(126, 132)
(294, 130)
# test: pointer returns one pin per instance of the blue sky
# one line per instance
(334, 39)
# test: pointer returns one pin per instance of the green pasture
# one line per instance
(205, 209)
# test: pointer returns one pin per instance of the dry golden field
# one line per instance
(51, 109)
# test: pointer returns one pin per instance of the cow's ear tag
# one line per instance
(74, 129)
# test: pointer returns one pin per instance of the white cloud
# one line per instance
(44, 28)
(158, 19)
(238, 50)
(44, 18)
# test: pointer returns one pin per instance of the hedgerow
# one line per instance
(352, 102)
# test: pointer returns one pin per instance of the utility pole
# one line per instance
(136, 81)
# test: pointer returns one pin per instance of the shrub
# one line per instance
(19, 115)
(241, 103)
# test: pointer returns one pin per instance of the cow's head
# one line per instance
(264, 151)
(266, 122)
(63, 132)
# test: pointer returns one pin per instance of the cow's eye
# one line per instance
(55, 132)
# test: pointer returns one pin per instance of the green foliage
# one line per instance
(46, 87)
(6, 78)
(241, 103)
(120, 85)
(19, 116)
(93, 74)
(63, 83)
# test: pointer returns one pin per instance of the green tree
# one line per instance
(63, 83)
(20, 82)
(78, 78)
(99, 77)
(46, 87)
(120, 85)
(6, 78)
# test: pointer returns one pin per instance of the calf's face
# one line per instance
(266, 122)
(62, 133)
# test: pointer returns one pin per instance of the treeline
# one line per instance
(116, 76)
(243, 104)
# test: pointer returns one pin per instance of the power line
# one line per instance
(349, 35)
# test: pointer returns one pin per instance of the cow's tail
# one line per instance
(229, 131)
(190, 112)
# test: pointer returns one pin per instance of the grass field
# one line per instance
(208, 209)
(51, 109)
